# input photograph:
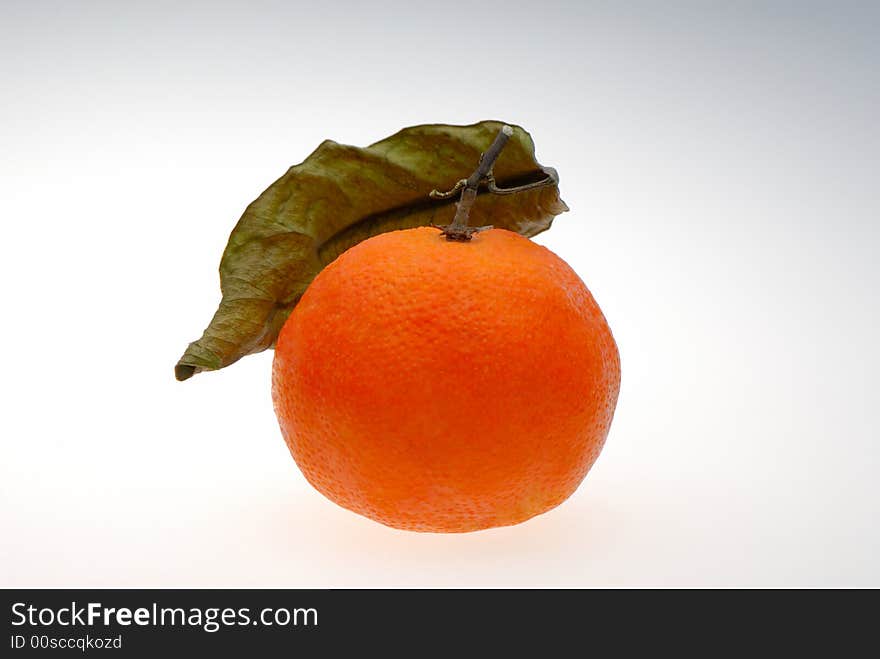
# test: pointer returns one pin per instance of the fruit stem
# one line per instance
(459, 229)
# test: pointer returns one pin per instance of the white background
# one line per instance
(721, 167)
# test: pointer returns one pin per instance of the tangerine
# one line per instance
(446, 386)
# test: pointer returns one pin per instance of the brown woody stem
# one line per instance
(459, 229)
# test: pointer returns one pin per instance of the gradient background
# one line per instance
(721, 164)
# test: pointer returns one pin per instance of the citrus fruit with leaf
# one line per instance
(434, 380)
(446, 386)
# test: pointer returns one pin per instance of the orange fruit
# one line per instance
(446, 386)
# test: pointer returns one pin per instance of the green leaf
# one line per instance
(341, 195)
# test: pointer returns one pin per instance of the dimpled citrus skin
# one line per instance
(446, 386)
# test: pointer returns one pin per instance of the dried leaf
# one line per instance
(341, 195)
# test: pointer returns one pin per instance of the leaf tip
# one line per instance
(184, 371)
